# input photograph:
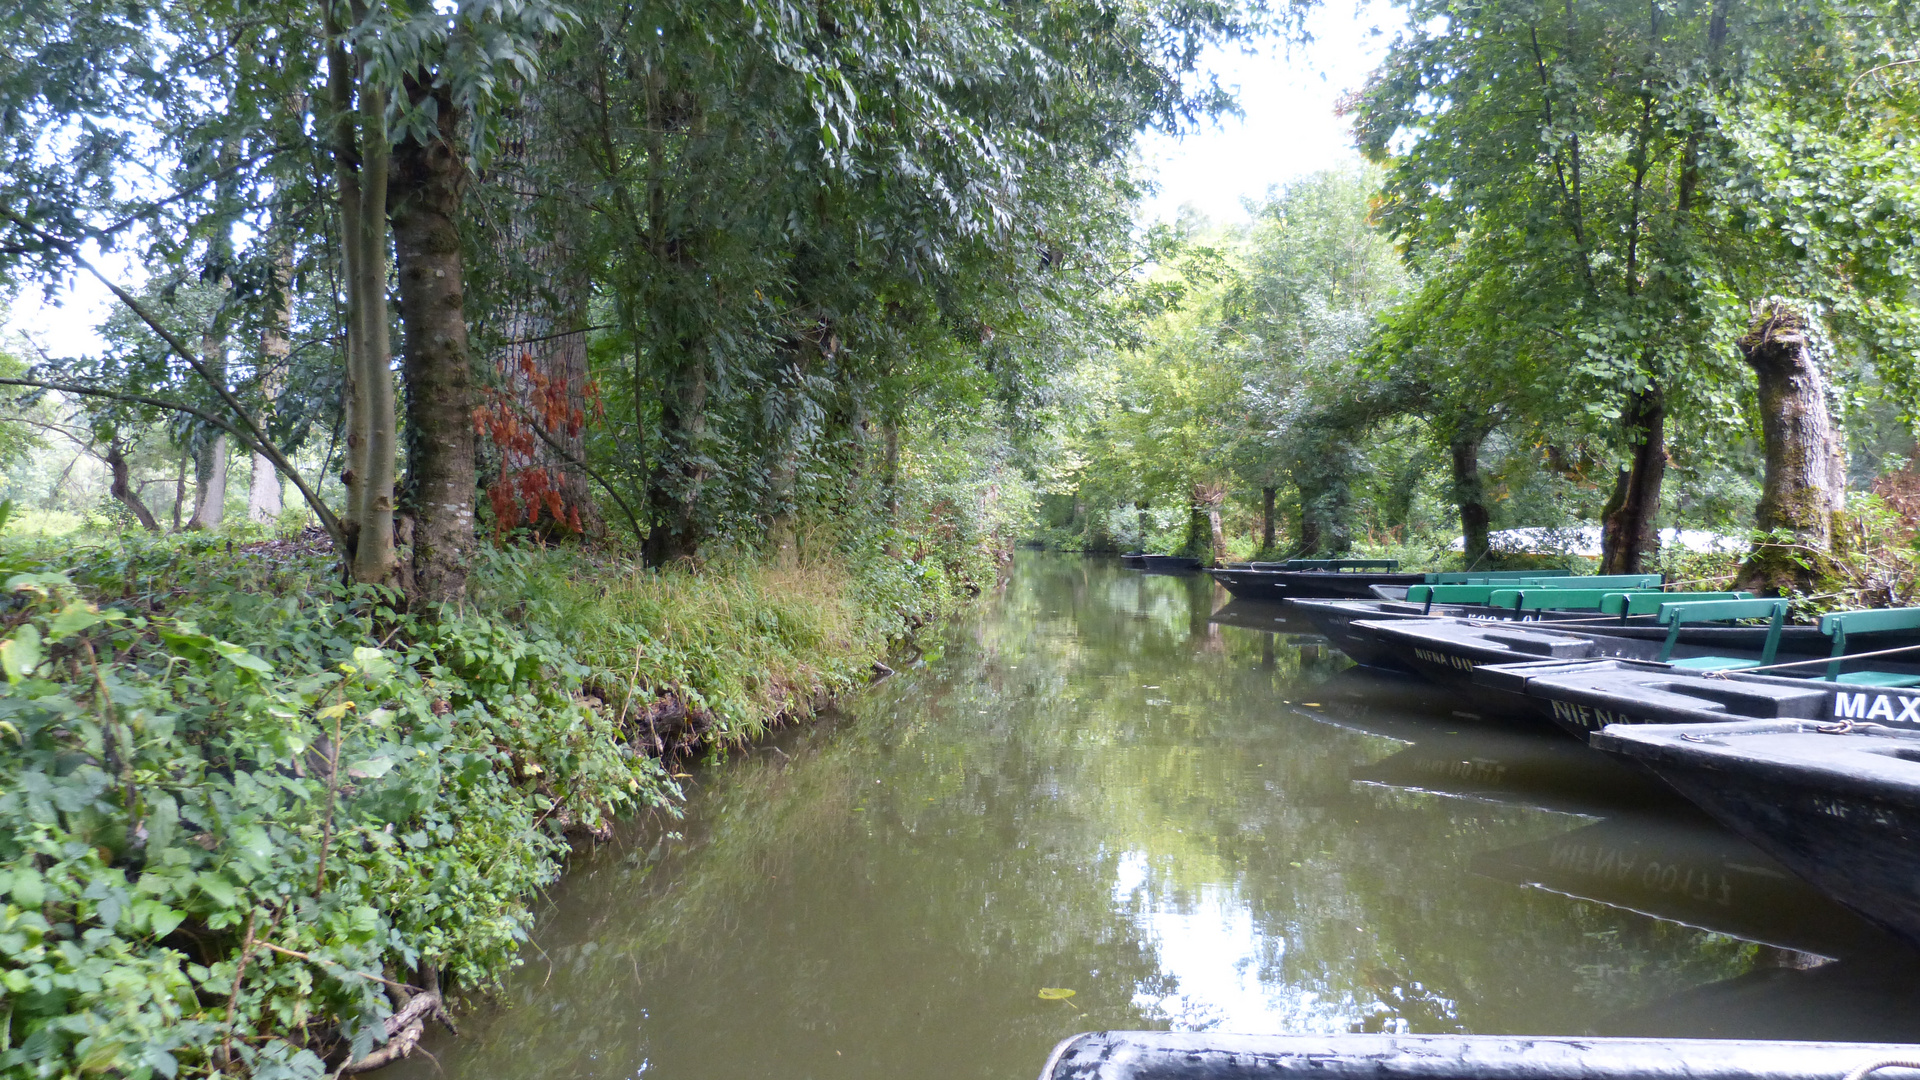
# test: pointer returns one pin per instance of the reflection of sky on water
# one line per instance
(1217, 961)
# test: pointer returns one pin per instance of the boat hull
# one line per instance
(1334, 619)
(1178, 564)
(1276, 585)
(1838, 804)
(1581, 698)
(1200, 1055)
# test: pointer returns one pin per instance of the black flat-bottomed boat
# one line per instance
(1836, 802)
(1329, 578)
(1583, 697)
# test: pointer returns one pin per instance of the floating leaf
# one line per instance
(1055, 993)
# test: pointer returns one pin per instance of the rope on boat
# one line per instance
(1808, 663)
(1862, 1072)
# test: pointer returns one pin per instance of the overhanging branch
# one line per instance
(253, 437)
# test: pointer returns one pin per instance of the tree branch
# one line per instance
(252, 436)
(227, 426)
(638, 533)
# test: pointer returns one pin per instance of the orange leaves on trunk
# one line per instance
(528, 489)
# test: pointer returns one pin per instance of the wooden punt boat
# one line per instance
(1836, 802)
(1200, 1055)
(1326, 578)
(1583, 697)
(1680, 867)
(1165, 563)
(1449, 651)
(1334, 619)
(1131, 559)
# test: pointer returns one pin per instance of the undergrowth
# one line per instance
(245, 810)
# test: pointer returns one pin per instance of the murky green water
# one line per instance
(1190, 824)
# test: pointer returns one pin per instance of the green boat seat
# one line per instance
(1866, 621)
(1449, 594)
(1616, 582)
(1538, 598)
(1647, 602)
(1885, 680)
(1676, 615)
(1488, 577)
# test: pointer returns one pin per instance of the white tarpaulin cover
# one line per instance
(1585, 540)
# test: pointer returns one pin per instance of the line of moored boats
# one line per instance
(1803, 738)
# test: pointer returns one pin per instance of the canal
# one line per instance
(1190, 818)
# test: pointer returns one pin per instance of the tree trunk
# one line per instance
(1219, 534)
(1805, 484)
(1310, 540)
(1204, 538)
(179, 491)
(263, 494)
(1146, 523)
(424, 201)
(1628, 531)
(789, 441)
(361, 163)
(210, 461)
(1267, 496)
(673, 489)
(122, 486)
(1469, 494)
(542, 311)
(890, 470)
(1323, 519)
(210, 484)
(1197, 539)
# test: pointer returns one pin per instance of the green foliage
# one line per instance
(238, 796)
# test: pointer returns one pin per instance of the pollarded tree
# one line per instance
(1575, 149)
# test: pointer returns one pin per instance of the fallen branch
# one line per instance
(404, 1029)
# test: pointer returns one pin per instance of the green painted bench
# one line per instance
(1486, 577)
(1626, 604)
(1485, 593)
(1636, 601)
(1867, 621)
(1676, 615)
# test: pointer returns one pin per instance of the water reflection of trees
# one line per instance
(886, 894)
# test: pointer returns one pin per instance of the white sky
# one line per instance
(1289, 129)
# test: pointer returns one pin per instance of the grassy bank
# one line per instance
(253, 821)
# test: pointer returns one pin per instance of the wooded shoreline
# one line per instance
(287, 827)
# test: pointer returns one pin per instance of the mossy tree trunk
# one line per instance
(1267, 496)
(1205, 539)
(122, 485)
(1805, 485)
(1470, 495)
(1629, 524)
(424, 205)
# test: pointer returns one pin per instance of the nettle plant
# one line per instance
(219, 856)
